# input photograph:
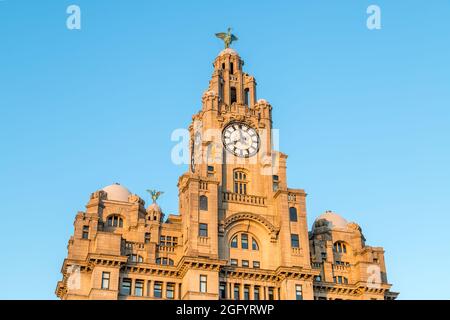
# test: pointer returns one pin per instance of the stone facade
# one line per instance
(241, 233)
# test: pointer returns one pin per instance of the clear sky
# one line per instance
(363, 115)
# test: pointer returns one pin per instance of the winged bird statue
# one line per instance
(227, 37)
(155, 194)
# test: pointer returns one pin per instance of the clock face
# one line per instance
(240, 139)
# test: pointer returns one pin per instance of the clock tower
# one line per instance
(234, 202)
(241, 232)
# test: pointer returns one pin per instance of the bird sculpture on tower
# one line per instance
(227, 37)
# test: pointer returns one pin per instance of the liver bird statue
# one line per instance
(155, 194)
(227, 37)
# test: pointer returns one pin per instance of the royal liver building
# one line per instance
(241, 232)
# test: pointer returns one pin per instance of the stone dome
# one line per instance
(154, 207)
(228, 51)
(117, 192)
(333, 220)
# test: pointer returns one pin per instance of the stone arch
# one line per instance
(258, 228)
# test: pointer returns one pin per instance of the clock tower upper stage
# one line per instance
(233, 91)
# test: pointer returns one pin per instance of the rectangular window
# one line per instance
(203, 283)
(236, 292)
(245, 263)
(246, 292)
(234, 262)
(139, 288)
(244, 241)
(126, 287)
(157, 290)
(256, 264)
(270, 294)
(222, 290)
(246, 96)
(170, 291)
(105, 280)
(147, 237)
(85, 232)
(294, 241)
(162, 240)
(203, 230)
(256, 293)
(298, 292)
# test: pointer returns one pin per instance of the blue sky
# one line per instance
(363, 115)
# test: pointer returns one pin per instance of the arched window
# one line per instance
(233, 95)
(292, 214)
(246, 96)
(234, 242)
(245, 239)
(240, 182)
(115, 221)
(255, 245)
(340, 247)
(203, 203)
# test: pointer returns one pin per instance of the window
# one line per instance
(246, 292)
(244, 241)
(203, 203)
(270, 294)
(340, 280)
(147, 237)
(222, 290)
(115, 221)
(318, 279)
(256, 293)
(276, 182)
(203, 283)
(168, 241)
(234, 262)
(246, 96)
(231, 68)
(256, 264)
(203, 230)
(294, 241)
(135, 258)
(105, 280)
(255, 245)
(157, 290)
(236, 292)
(85, 232)
(126, 287)
(240, 182)
(293, 214)
(170, 291)
(139, 288)
(245, 263)
(234, 242)
(223, 66)
(165, 261)
(340, 247)
(298, 292)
